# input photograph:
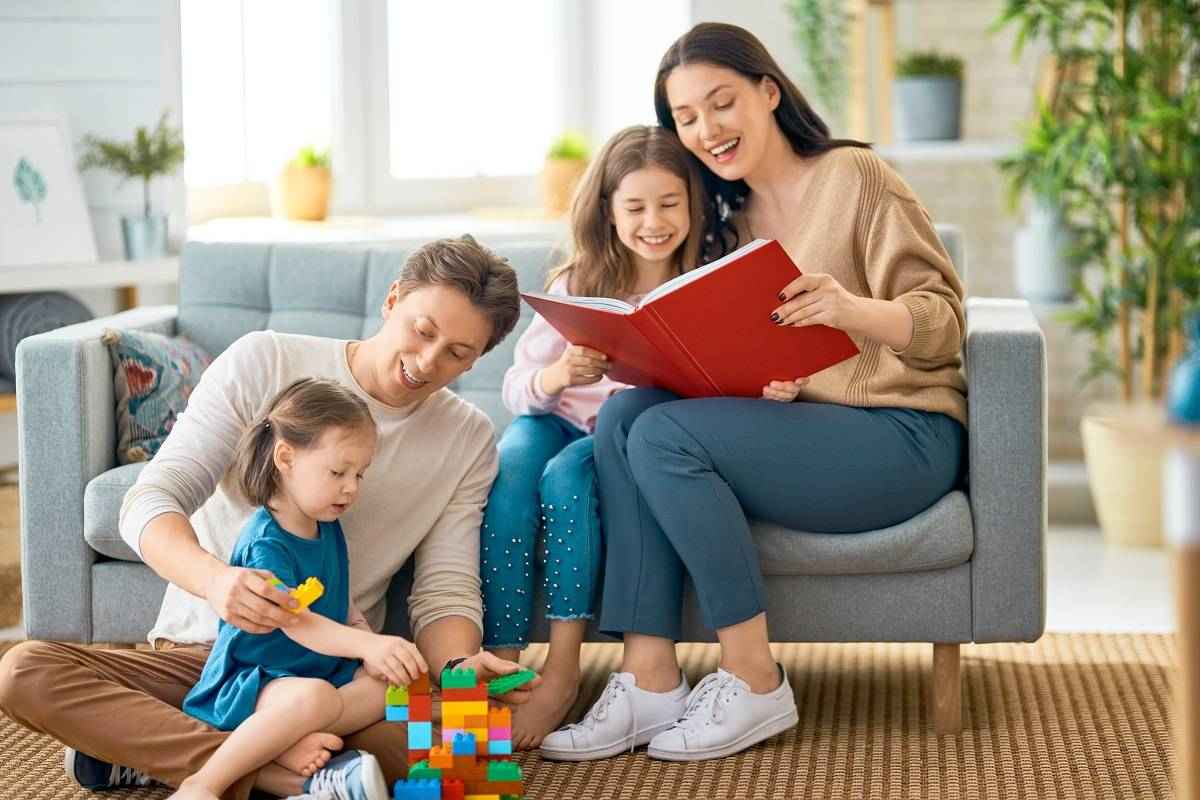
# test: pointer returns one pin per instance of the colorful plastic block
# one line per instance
(448, 734)
(420, 735)
(465, 708)
(453, 789)
(500, 747)
(482, 797)
(421, 685)
(441, 757)
(459, 695)
(503, 771)
(397, 695)
(458, 679)
(506, 683)
(417, 790)
(420, 708)
(397, 713)
(500, 718)
(308, 592)
(499, 733)
(464, 744)
(422, 771)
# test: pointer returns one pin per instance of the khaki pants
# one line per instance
(123, 706)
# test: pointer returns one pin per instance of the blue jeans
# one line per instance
(680, 478)
(543, 500)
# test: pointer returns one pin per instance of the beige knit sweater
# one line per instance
(863, 225)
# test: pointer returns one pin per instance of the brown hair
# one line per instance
(735, 48)
(488, 280)
(298, 415)
(601, 266)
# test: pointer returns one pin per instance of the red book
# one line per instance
(706, 333)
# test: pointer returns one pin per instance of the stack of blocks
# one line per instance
(473, 761)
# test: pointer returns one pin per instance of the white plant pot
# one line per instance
(1125, 457)
(1043, 273)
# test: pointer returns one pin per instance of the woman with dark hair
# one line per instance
(862, 445)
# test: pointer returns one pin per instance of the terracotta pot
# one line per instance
(1125, 460)
(560, 176)
(304, 192)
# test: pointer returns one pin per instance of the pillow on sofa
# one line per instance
(153, 376)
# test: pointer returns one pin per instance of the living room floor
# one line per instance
(1093, 587)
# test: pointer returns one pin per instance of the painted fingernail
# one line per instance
(774, 318)
(782, 296)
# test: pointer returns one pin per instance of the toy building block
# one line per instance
(500, 747)
(420, 708)
(504, 771)
(458, 679)
(506, 683)
(464, 745)
(453, 789)
(441, 757)
(460, 695)
(420, 686)
(500, 717)
(420, 735)
(448, 734)
(417, 790)
(422, 771)
(482, 797)
(306, 593)
(397, 695)
(470, 708)
(397, 713)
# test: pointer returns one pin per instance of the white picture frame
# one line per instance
(44, 218)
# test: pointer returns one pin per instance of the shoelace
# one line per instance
(128, 776)
(599, 710)
(709, 695)
(331, 782)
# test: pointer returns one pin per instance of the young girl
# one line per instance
(283, 693)
(637, 219)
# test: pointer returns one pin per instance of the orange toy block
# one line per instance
(468, 769)
(500, 718)
(421, 685)
(475, 721)
(440, 757)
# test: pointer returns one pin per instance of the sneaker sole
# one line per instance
(372, 777)
(772, 727)
(597, 753)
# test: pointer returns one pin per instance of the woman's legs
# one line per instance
(511, 523)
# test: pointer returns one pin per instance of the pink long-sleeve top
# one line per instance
(540, 346)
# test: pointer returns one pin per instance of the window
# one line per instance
(257, 86)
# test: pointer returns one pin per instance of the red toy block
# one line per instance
(417, 755)
(420, 686)
(453, 695)
(420, 707)
(453, 789)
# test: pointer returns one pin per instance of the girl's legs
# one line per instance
(571, 550)
(511, 523)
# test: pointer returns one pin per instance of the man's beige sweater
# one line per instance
(862, 224)
(422, 497)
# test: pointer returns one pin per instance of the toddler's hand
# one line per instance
(394, 658)
(577, 366)
(784, 391)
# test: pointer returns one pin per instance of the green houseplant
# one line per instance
(305, 185)
(820, 29)
(1124, 141)
(566, 161)
(149, 155)
(927, 96)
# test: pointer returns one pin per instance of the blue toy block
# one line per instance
(417, 790)
(420, 736)
(397, 713)
(464, 744)
(499, 747)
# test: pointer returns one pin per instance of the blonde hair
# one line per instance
(601, 265)
(298, 415)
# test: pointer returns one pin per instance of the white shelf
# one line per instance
(100, 274)
(958, 151)
(492, 227)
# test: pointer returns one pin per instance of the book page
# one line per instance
(599, 303)
(700, 272)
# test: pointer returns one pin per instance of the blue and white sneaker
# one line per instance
(91, 773)
(352, 775)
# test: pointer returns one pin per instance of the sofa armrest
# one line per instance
(1006, 394)
(66, 430)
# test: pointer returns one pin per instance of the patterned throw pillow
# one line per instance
(153, 377)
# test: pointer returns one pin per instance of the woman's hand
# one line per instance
(489, 665)
(577, 366)
(817, 300)
(247, 599)
(393, 658)
(784, 391)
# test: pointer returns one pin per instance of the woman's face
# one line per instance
(722, 117)
(429, 337)
(650, 214)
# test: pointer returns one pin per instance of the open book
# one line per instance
(706, 333)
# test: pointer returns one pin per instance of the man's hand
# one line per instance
(489, 665)
(247, 599)
(393, 658)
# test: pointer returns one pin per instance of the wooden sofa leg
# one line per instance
(947, 689)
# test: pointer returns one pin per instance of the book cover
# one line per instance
(706, 333)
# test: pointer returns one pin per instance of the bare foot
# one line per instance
(545, 710)
(192, 791)
(310, 753)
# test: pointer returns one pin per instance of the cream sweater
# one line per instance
(423, 495)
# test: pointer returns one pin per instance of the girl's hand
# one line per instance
(247, 599)
(784, 391)
(489, 665)
(577, 366)
(394, 659)
(817, 300)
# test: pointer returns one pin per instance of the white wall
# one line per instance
(110, 66)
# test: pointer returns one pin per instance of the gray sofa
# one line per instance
(969, 568)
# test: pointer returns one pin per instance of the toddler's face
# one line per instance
(650, 213)
(324, 479)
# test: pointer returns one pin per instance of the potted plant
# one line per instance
(820, 29)
(565, 164)
(304, 185)
(927, 96)
(1131, 136)
(150, 154)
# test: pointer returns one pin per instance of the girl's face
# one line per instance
(722, 117)
(650, 214)
(323, 480)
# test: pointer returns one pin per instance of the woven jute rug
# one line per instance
(1073, 716)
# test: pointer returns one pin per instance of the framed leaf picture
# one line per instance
(43, 216)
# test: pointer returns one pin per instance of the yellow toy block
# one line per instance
(465, 708)
(306, 593)
(481, 735)
(482, 797)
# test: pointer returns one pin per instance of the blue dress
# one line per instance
(241, 663)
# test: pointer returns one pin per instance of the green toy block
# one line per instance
(397, 695)
(458, 679)
(421, 771)
(503, 772)
(506, 683)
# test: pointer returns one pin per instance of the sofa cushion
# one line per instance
(102, 508)
(940, 536)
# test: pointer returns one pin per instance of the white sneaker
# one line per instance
(724, 717)
(625, 717)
